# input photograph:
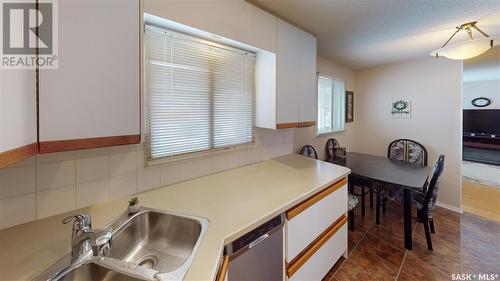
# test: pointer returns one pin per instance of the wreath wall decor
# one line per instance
(401, 109)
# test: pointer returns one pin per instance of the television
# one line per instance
(482, 121)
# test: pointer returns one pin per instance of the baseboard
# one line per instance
(450, 207)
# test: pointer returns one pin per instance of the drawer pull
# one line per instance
(302, 258)
(295, 211)
(257, 241)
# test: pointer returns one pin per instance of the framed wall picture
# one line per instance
(349, 106)
(401, 109)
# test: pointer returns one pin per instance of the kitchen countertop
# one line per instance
(235, 201)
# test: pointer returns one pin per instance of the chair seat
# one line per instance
(352, 201)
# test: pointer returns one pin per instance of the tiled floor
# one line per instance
(462, 244)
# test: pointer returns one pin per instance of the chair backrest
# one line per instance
(309, 151)
(433, 187)
(331, 144)
(407, 150)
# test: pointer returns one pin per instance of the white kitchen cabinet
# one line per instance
(307, 80)
(309, 224)
(287, 73)
(93, 98)
(294, 98)
(316, 233)
(18, 132)
(318, 265)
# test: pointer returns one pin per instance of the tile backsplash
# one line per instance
(54, 183)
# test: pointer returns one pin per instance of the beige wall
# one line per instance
(433, 86)
(307, 135)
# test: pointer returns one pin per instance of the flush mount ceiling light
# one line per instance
(465, 49)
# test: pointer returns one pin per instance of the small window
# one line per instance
(331, 105)
(199, 95)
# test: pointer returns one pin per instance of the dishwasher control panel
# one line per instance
(253, 235)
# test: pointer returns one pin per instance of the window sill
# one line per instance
(194, 155)
(330, 133)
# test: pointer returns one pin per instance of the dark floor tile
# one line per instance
(391, 231)
(406, 277)
(420, 270)
(334, 269)
(446, 249)
(363, 264)
(389, 253)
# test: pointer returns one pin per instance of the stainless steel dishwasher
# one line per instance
(258, 255)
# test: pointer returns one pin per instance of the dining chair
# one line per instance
(425, 201)
(331, 144)
(406, 150)
(352, 201)
(309, 151)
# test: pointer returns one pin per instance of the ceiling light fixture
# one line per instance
(465, 49)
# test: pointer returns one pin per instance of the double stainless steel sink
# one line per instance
(149, 245)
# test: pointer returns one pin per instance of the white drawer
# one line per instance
(318, 265)
(306, 226)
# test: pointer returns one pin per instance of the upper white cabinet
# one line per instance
(295, 83)
(235, 20)
(18, 134)
(307, 80)
(287, 73)
(93, 98)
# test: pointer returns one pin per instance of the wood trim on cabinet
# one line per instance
(65, 145)
(307, 124)
(307, 253)
(299, 208)
(221, 275)
(17, 154)
(287, 125)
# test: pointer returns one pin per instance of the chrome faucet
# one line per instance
(84, 238)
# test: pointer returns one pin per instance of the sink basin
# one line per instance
(156, 240)
(94, 272)
(149, 245)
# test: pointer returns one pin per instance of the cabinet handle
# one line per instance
(295, 211)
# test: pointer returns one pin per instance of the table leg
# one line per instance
(363, 201)
(407, 219)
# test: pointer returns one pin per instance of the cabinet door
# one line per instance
(307, 80)
(93, 98)
(18, 134)
(287, 75)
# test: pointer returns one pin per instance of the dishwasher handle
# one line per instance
(258, 240)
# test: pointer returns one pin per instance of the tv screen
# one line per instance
(479, 121)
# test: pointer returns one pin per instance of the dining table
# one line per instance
(384, 171)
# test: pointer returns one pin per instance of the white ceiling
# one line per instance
(364, 33)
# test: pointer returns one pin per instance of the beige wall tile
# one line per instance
(56, 174)
(205, 166)
(148, 179)
(93, 168)
(92, 192)
(122, 186)
(188, 170)
(26, 162)
(17, 181)
(122, 163)
(123, 148)
(55, 157)
(170, 174)
(17, 210)
(94, 152)
(55, 201)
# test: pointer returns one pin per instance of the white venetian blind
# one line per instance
(200, 96)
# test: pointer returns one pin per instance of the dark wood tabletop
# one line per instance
(383, 169)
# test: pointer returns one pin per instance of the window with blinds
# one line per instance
(199, 95)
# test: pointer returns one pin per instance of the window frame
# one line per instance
(149, 161)
(335, 110)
